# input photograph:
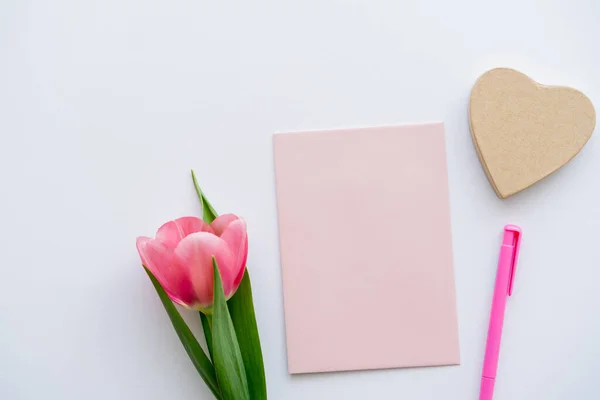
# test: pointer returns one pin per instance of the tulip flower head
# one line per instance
(181, 258)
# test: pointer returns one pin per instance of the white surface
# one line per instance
(105, 105)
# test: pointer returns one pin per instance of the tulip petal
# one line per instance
(158, 258)
(237, 239)
(222, 222)
(195, 253)
(172, 232)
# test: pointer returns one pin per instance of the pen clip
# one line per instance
(512, 236)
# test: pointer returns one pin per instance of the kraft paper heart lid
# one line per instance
(524, 131)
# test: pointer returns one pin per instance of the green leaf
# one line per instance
(208, 212)
(229, 365)
(207, 328)
(241, 308)
(189, 342)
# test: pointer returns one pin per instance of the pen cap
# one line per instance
(512, 237)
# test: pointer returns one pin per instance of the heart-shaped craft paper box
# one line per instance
(524, 131)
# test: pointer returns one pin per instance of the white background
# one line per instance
(105, 105)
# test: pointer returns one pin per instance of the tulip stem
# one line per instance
(207, 328)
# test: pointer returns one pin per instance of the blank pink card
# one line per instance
(366, 251)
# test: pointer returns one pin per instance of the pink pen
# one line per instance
(505, 277)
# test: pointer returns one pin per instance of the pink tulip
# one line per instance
(180, 257)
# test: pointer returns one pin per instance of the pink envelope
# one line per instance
(366, 250)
